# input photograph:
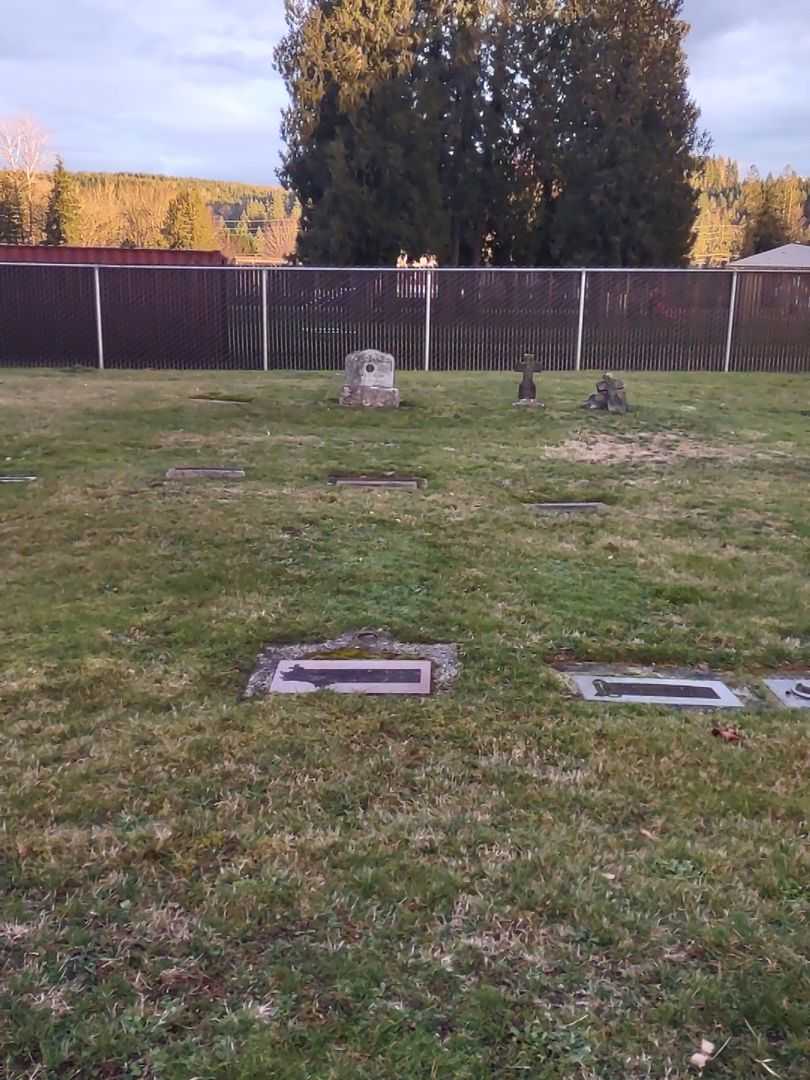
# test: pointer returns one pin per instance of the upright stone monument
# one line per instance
(369, 380)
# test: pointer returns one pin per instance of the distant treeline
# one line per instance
(737, 215)
(129, 208)
(740, 216)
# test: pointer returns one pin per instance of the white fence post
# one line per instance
(731, 314)
(581, 328)
(428, 292)
(99, 331)
(265, 343)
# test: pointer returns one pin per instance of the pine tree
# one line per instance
(765, 226)
(719, 227)
(12, 213)
(188, 223)
(62, 215)
(241, 238)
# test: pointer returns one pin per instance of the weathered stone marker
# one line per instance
(376, 480)
(527, 391)
(188, 472)
(369, 380)
(16, 479)
(609, 396)
(568, 507)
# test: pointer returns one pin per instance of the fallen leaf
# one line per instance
(728, 734)
(702, 1057)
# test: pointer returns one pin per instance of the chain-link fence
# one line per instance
(444, 320)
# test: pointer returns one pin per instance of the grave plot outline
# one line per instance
(367, 645)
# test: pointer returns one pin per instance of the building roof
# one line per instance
(787, 257)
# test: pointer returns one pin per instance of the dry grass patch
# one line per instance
(645, 448)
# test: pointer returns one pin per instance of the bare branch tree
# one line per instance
(23, 143)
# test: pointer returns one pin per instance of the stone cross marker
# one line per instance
(369, 380)
(527, 391)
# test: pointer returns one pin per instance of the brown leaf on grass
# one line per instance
(728, 734)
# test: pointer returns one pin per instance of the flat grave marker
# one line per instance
(220, 400)
(12, 479)
(568, 507)
(189, 472)
(352, 676)
(376, 480)
(793, 693)
(650, 690)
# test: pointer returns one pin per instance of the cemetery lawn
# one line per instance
(499, 882)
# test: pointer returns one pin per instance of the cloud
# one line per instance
(188, 86)
(184, 86)
(751, 78)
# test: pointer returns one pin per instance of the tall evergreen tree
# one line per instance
(509, 131)
(12, 212)
(62, 215)
(361, 155)
(630, 143)
(188, 223)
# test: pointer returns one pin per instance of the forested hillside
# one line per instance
(130, 208)
(739, 216)
(143, 210)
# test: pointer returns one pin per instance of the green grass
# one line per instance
(498, 882)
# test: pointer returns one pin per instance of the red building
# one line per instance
(109, 256)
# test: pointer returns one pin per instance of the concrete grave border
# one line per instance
(371, 642)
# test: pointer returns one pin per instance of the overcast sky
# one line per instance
(187, 86)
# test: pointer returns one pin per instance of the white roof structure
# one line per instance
(787, 257)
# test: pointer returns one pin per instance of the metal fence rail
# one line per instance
(291, 318)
